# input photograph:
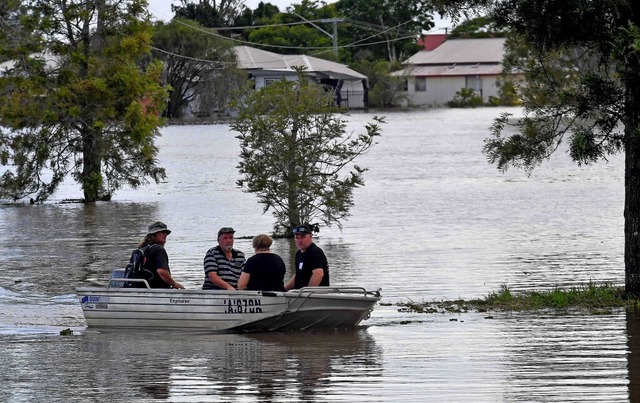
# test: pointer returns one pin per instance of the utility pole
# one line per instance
(334, 37)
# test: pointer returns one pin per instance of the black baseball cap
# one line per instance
(302, 229)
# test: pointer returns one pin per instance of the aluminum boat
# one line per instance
(117, 307)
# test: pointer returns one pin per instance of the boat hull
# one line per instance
(217, 310)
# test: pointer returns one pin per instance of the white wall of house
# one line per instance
(263, 78)
(437, 91)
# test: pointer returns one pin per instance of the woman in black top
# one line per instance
(263, 271)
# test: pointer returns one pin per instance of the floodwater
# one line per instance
(434, 221)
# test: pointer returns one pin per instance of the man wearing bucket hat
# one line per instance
(312, 268)
(222, 263)
(156, 260)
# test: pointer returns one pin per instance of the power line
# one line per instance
(358, 43)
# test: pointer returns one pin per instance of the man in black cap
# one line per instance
(312, 268)
(222, 263)
(156, 261)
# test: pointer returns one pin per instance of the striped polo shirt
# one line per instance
(228, 270)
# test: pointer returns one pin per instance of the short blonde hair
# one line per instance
(262, 241)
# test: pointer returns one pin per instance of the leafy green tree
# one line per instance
(210, 13)
(289, 33)
(200, 67)
(582, 61)
(262, 15)
(294, 150)
(507, 92)
(385, 90)
(79, 98)
(478, 27)
(12, 34)
(398, 23)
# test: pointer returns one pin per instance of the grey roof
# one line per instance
(255, 59)
(463, 51)
(252, 58)
(451, 70)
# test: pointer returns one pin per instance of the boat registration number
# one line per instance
(93, 302)
(243, 305)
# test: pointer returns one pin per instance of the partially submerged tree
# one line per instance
(200, 66)
(296, 154)
(76, 98)
(582, 65)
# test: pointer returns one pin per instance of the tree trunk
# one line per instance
(91, 179)
(632, 188)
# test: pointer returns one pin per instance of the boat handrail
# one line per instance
(114, 280)
(338, 290)
(306, 292)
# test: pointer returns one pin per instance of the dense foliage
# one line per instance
(199, 65)
(581, 60)
(78, 97)
(209, 13)
(296, 154)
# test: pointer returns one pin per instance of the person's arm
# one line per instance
(291, 283)
(165, 275)
(316, 277)
(218, 282)
(243, 281)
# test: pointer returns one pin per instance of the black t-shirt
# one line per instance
(155, 257)
(267, 272)
(312, 258)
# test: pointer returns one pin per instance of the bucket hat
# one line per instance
(158, 226)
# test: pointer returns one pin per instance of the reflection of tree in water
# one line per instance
(633, 355)
(96, 239)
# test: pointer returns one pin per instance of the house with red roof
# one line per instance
(434, 76)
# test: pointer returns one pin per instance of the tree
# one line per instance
(582, 61)
(208, 13)
(79, 99)
(294, 147)
(398, 22)
(478, 27)
(291, 32)
(386, 90)
(199, 65)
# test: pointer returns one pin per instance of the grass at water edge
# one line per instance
(596, 298)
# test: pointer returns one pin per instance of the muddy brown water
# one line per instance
(434, 221)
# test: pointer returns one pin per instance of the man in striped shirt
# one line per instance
(222, 263)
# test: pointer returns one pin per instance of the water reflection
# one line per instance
(297, 366)
(569, 355)
(633, 353)
(50, 247)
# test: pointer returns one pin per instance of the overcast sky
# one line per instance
(161, 9)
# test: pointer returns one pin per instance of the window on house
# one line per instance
(420, 84)
(474, 83)
(405, 86)
(269, 81)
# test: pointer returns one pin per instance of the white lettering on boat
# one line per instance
(243, 305)
(179, 301)
(87, 299)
